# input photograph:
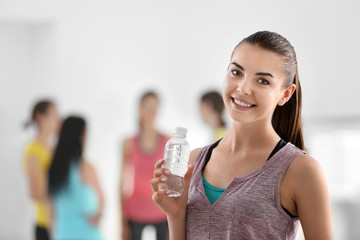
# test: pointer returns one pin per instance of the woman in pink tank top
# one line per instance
(140, 153)
(249, 185)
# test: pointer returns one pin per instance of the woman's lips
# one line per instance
(241, 104)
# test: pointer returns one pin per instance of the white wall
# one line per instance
(95, 58)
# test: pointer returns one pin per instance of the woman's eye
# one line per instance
(236, 72)
(263, 81)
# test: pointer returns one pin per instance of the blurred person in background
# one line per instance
(37, 159)
(77, 200)
(212, 110)
(139, 154)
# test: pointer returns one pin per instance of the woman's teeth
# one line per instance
(238, 102)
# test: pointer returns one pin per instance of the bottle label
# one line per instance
(176, 159)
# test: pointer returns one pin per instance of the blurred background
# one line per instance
(95, 58)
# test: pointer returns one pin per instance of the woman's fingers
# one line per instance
(160, 172)
(158, 196)
(170, 205)
(159, 163)
(156, 181)
(160, 175)
(154, 184)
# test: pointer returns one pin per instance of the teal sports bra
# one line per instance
(212, 193)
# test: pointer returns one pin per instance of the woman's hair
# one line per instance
(143, 97)
(286, 119)
(68, 150)
(147, 94)
(40, 108)
(217, 103)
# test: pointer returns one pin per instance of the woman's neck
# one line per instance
(43, 137)
(250, 135)
(148, 130)
(148, 137)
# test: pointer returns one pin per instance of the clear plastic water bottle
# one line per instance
(176, 158)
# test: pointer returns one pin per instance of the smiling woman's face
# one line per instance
(254, 84)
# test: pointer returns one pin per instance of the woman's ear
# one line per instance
(287, 95)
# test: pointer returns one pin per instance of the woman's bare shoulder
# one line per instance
(305, 175)
(304, 165)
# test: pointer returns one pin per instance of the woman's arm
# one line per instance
(177, 226)
(174, 207)
(311, 198)
(36, 179)
(50, 208)
(125, 231)
(91, 178)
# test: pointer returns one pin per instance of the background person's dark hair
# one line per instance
(69, 150)
(217, 103)
(286, 119)
(40, 108)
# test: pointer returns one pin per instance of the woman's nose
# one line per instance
(244, 87)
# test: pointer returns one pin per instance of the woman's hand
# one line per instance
(172, 206)
(125, 230)
(94, 220)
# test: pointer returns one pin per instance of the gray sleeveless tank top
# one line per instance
(250, 206)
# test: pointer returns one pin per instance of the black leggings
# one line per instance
(41, 233)
(137, 228)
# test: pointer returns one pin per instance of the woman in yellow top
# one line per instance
(37, 157)
(212, 110)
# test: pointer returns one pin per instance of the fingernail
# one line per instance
(167, 192)
(163, 179)
(167, 171)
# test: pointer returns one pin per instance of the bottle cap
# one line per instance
(181, 131)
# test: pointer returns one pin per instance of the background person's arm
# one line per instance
(125, 230)
(91, 178)
(36, 179)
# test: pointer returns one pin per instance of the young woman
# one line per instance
(73, 185)
(212, 109)
(257, 182)
(140, 153)
(37, 159)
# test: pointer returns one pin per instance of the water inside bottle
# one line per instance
(176, 160)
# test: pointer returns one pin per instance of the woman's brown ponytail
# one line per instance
(287, 118)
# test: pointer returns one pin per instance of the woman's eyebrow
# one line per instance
(258, 74)
(264, 74)
(238, 65)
